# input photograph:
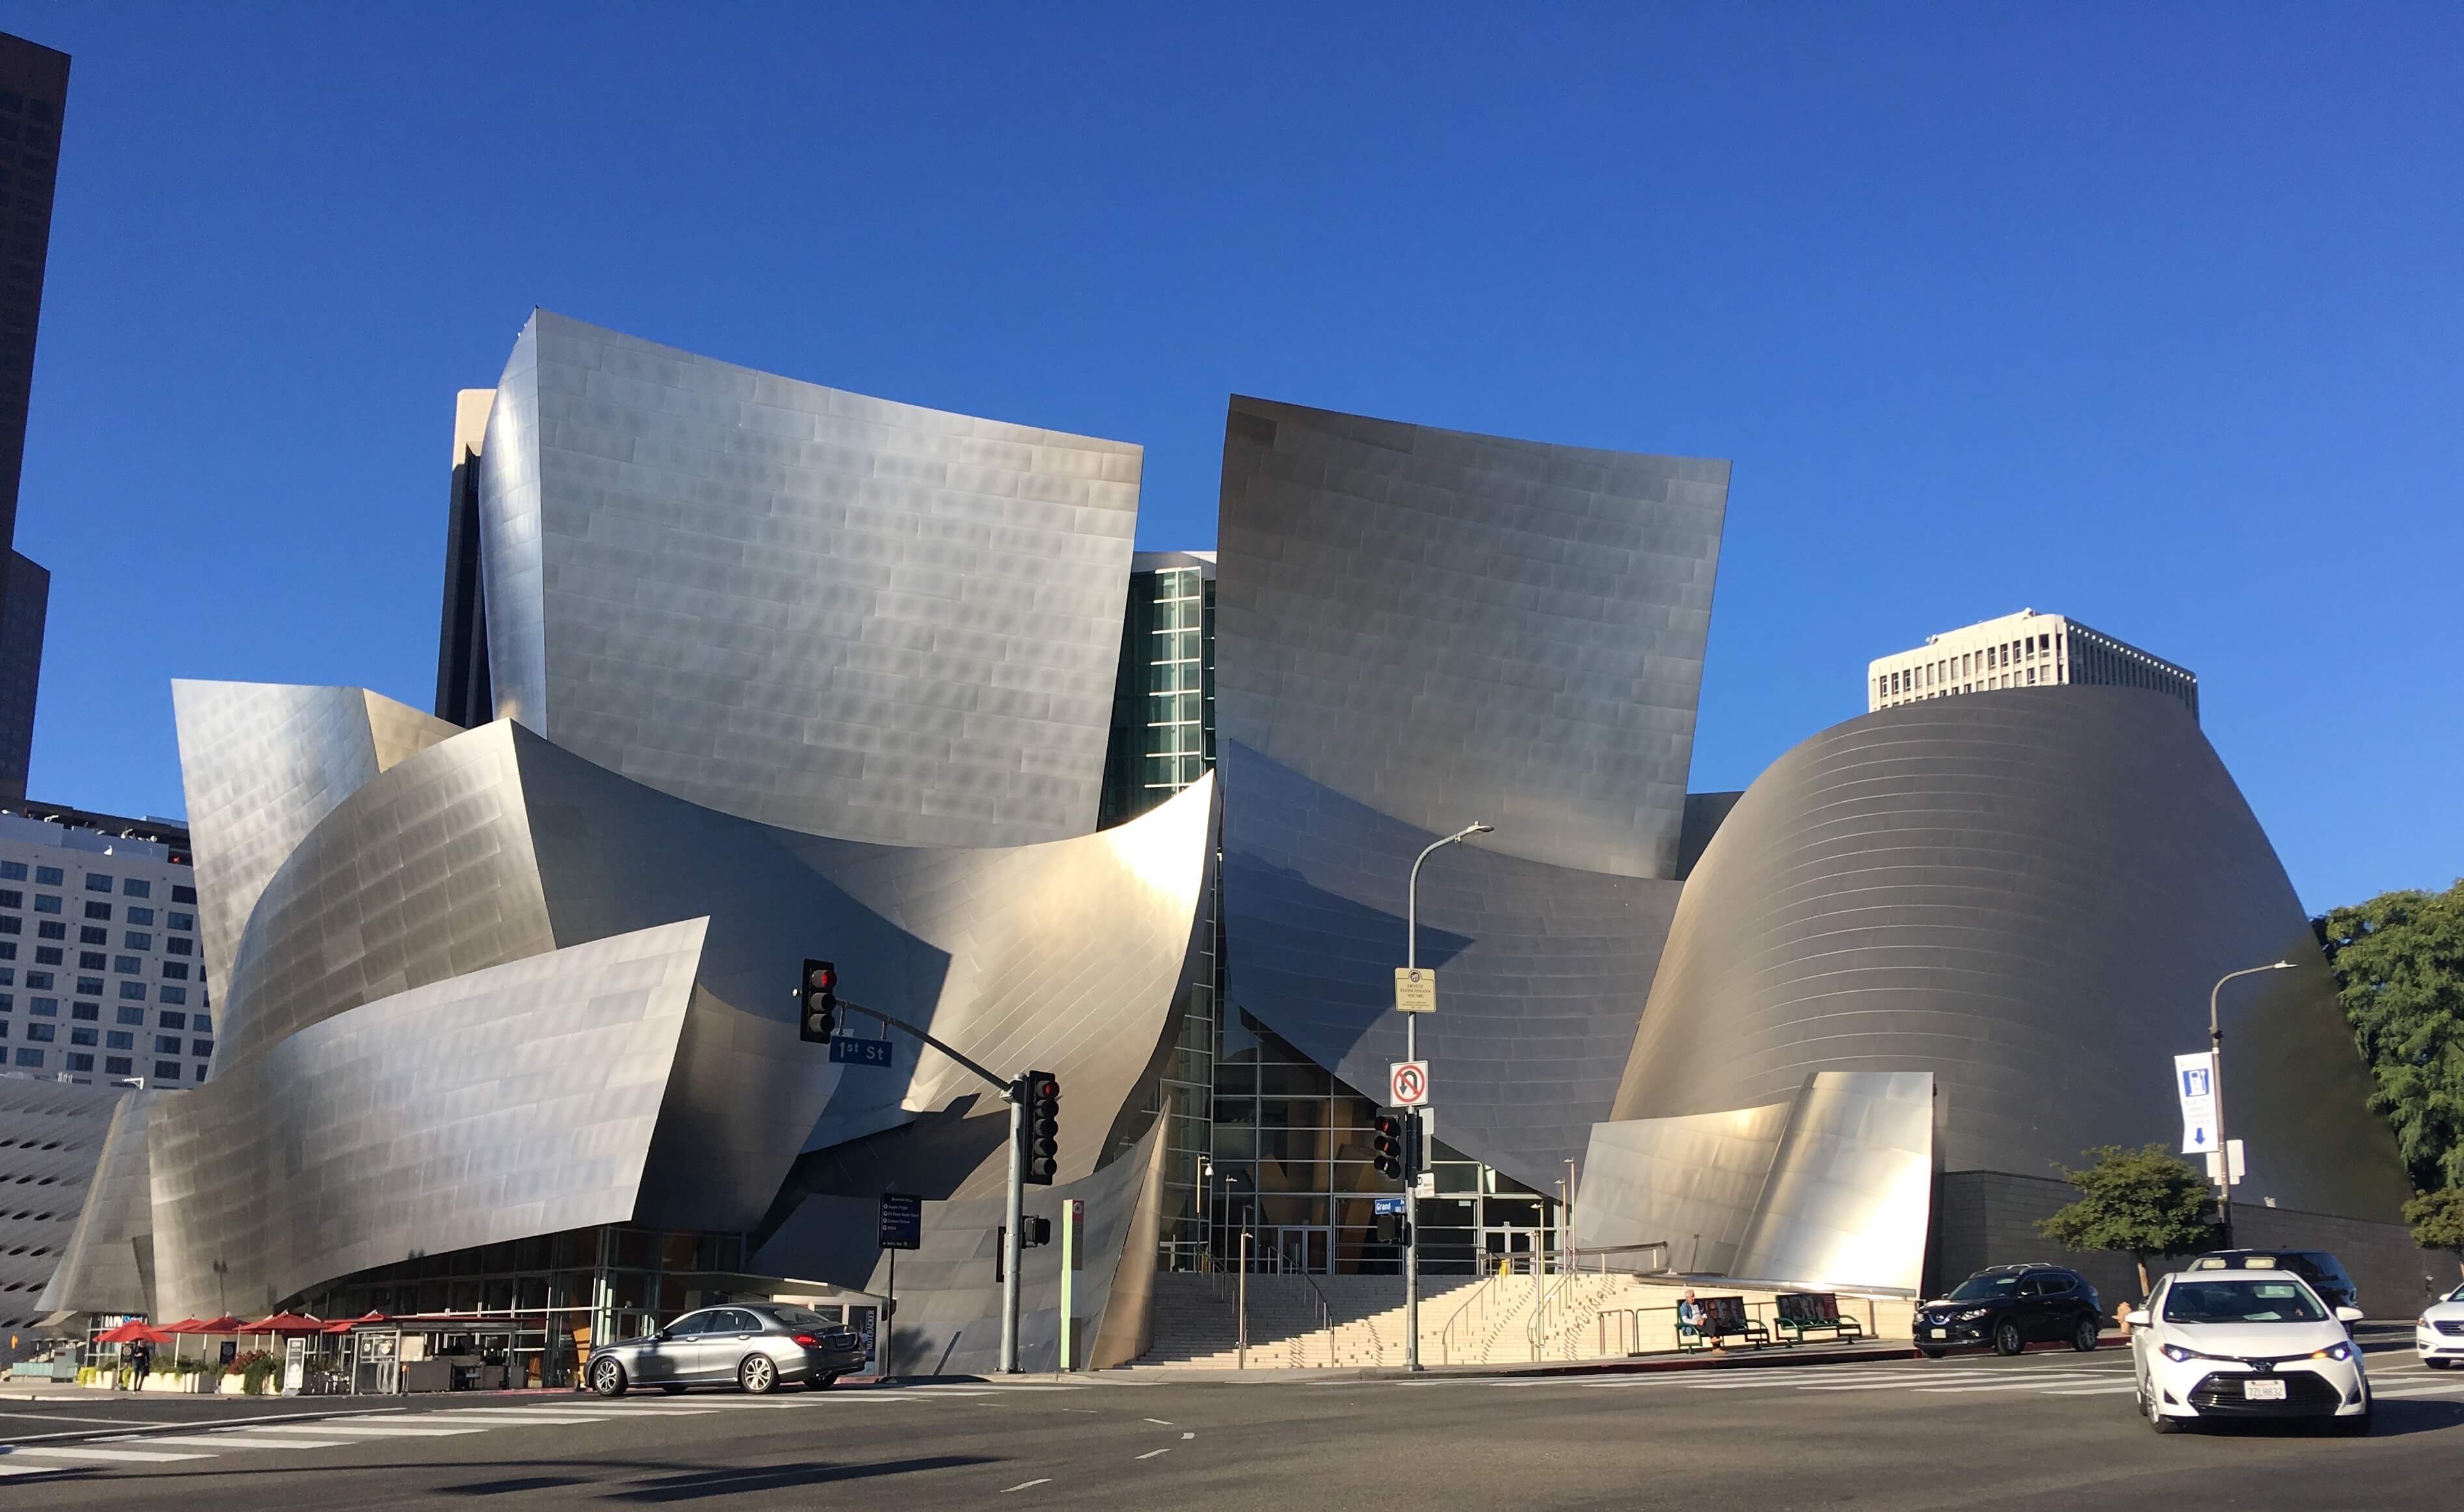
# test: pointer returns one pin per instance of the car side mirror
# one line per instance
(2136, 1318)
(2348, 1315)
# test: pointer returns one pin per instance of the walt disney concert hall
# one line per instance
(737, 670)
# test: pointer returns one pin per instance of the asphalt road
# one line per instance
(2046, 1430)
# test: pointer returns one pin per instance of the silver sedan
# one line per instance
(755, 1347)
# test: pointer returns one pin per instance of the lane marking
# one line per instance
(2020, 1386)
(2096, 1391)
(377, 1430)
(73, 1418)
(34, 1469)
(1158, 1422)
(1187, 1435)
(237, 1442)
(1024, 1484)
(1152, 1452)
(107, 1456)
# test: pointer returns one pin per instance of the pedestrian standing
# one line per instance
(140, 1360)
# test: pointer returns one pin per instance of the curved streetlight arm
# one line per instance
(2216, 1069)
(1412, 891)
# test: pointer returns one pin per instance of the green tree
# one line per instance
(2437, 1219)
(2399, 965)
(2143, 1202)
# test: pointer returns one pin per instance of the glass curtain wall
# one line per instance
(1293, 1169)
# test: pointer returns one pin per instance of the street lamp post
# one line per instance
(2216, 1059)
(1411, 1052)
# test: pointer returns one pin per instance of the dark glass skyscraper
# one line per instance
(33, 97)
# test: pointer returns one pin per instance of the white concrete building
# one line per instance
(2026, 649)
(101, 974)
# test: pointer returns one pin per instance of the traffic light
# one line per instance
(1390, 1228)
(817, 1008)
(1033, 1233)
(1416, 1145)
(1041, 1128)
(1387, 1146)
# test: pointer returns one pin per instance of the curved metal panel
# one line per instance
(1687, 1182)
(261, 764)
(57, 1144)
(1851, 1186)
(423, 872)
(1447, 626)
(1542, 970)
(835, 614)
(2028, 894)
(513, 1100)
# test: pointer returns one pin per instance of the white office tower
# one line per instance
(2026, 649)
(102, 976)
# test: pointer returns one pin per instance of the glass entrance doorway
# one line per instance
(1292, 1247)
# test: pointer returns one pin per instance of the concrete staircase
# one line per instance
(1357, 1322)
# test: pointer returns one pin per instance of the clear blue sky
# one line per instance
(2153, 319)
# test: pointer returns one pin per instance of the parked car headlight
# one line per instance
(2333, 1351)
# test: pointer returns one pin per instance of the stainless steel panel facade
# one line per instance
(2028, 894)
(507, 1102)
(108, 1263)
(1829, 1189)
(422, 872)
(261, 764)
(1542, 970)
(1851, 1186)
(1449, 626)
(835, 614)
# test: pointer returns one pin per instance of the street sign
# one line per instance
(1407, 1084)
(2215, 1162)
(860, 1052)
(2194, 1081)
(1415, 989)
(902, 1221)
(1385, 1205)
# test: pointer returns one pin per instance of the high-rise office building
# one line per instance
(102, 975)
(33, 97)
(2026, 649)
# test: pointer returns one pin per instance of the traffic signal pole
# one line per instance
(1012, 1238)
(1411, 1052)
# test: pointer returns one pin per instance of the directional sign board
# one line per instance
(2195, 1082)
(1415, 989)
(2216, 1160)
(1407, 1084)
(902, 1221)
(860, 1052)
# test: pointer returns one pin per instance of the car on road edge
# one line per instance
(2438, 1334)
(2011, 1308)
(754, 1347)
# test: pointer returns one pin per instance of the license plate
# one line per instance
(1935, 1333)
(2262, 1390)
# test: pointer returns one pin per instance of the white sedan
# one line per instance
(2244, 1345)
(2439, 1336)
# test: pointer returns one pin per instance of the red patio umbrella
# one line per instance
(285, 1323)
(226, 1323)
(132, 1332)
(346, 1325)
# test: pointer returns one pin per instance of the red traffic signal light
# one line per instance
(816, 1002)
(1386, 1145)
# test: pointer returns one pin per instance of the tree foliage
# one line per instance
(2437, 1219)
(2143, 1202)
(2399, 965)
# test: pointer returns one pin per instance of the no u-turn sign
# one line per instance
(1407, 1084)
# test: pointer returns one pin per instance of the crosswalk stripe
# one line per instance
(237, 1442)
(511, 1415)
(2441, 1389)
(103, 1455)
(361, 1429)
(2096, 1391)
(32, 1470)
(2005, 1386)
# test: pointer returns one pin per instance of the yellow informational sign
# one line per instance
(1415, 989)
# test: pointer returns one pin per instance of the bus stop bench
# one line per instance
(1796, 1313)
(1723, 1318)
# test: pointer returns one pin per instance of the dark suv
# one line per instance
(2318, 1267)
(2011, 1308)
